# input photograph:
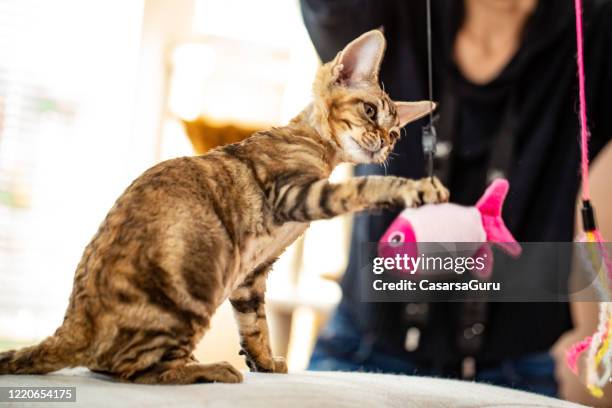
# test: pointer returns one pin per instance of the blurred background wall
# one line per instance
(92, 93)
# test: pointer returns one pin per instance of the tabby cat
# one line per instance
(194, 231)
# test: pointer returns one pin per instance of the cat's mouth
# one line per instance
(358, 153)
(375, 155)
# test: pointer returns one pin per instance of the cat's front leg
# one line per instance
(249, 310)
(320, 199)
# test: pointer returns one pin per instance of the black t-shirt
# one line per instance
(535, 97)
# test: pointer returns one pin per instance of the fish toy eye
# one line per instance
(396, 239)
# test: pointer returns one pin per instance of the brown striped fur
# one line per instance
(194, 231)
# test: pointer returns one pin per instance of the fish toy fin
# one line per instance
(490, 208)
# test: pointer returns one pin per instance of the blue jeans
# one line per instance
(341, 347)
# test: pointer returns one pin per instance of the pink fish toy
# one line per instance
(412, 231)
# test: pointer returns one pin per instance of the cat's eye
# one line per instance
(370, 110)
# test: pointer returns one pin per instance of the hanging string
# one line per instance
(588, 213)
(429, 62)
(584, 130)
(429, 131)
(597, 347)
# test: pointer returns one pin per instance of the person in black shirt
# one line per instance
(503, 70)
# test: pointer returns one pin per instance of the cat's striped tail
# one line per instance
(50, 355)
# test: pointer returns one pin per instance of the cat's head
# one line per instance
(352, 110)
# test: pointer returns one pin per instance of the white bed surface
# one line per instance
(295, 390)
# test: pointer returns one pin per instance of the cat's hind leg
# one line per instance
(181, 372)
(153, 356)
(249, 310)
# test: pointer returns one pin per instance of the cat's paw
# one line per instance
(222, 372)
(431, 191)
(410, 196)
(280, 365)
(267, 365)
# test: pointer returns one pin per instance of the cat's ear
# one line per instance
(411, 111)
(359, 62)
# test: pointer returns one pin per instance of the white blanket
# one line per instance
(295, 390)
